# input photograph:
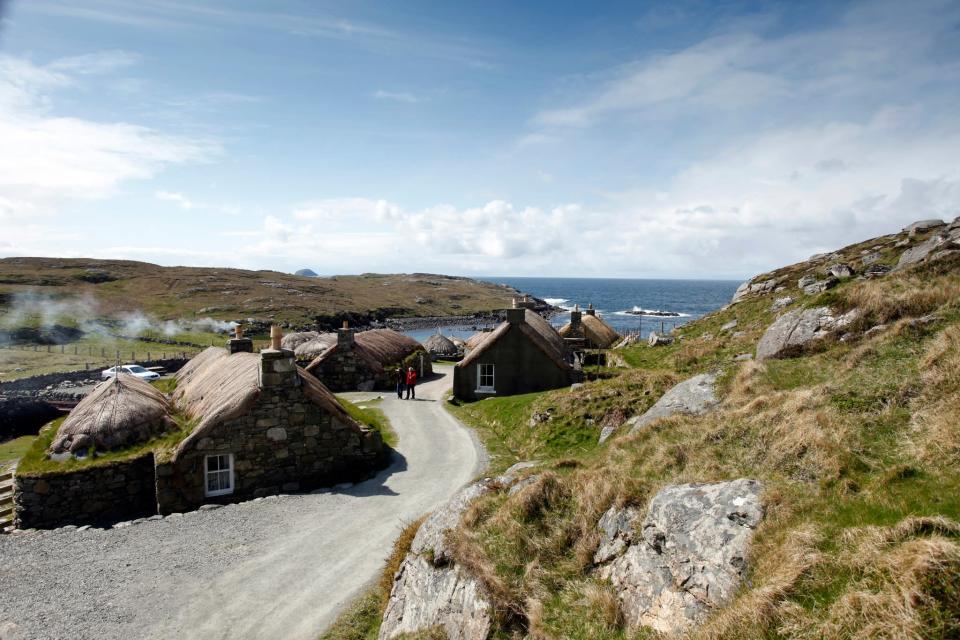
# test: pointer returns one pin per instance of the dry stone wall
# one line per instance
(101, 494)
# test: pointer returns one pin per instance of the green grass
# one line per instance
(361, 620)
(36, 462)
(13, 450)
(372, 416)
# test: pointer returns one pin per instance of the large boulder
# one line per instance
(694, 396)
(793, 330)
(430, 589)
(689, 555)
(919, 253)
(923, 225)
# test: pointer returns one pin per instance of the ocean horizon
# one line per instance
(629, 305)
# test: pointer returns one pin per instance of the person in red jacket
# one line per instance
(411, 384)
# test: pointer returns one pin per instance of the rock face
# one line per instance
(689, 556)
(430, 589)
(693, 396)
(840, 271)
(918, 253)
(923, 225)
(794, 329)
(781, 303)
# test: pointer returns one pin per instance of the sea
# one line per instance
(631, 306)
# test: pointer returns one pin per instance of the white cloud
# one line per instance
(396, 96)
(177, 198)
(47, 159)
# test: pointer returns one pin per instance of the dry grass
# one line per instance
(401, 547)
(936, 435)
(908, 295)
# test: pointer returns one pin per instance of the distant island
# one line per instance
(653, 312)
(310, 273)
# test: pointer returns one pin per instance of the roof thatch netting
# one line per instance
(314, 347)
(118, 413)
(293, 340)
(440, 345)
(217, 386)
(536, 328)
(595, 330)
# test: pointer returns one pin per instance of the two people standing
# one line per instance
(406, 381)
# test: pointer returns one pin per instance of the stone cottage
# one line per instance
(522, 355)
(260, 426)
(367, 360)
(588, 330)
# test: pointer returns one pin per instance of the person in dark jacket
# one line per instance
(401, 382)
(411, 384)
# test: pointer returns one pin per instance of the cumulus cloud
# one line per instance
(59, 158)
(178, 199)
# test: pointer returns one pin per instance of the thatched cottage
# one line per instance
(366, 360)
(587, 330)
(522, 355)
(246, 425)
(440, 346)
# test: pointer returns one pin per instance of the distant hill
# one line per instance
(117, 286)
(306, 272)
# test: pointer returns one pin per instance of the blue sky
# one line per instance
(680, 139)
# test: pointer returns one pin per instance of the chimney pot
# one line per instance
(346, 324)
(276, 335)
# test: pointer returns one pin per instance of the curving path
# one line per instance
(280, 567)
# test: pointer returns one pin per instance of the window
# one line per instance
(485, 378)
(219, 474)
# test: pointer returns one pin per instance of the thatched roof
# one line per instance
(378, 348)
(217, 386)
(312, 348)
(476, 339)
(440, 345)
(293, 340)
(594, 329)
(118, 413)
(536, 329)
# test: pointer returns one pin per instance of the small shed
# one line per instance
(440, 346)
(522, 355)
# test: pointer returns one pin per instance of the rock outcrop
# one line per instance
(916, 254)
(694, 396)
(923, 225)
(795, 329)
(658, 339)
(750, 288)
(430, 589)
(687, 558)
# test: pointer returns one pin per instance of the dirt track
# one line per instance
(280, 567)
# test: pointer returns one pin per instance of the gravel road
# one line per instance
(280, 567)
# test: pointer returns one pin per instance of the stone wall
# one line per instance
(101, 494)
(284, 442)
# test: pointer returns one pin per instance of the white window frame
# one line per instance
(481, 388)
(206, 475)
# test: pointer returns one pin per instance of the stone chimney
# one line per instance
(516, 315)
(591, 311)
(345, 336)
(278, 368)
(575, 317)
(238, 343)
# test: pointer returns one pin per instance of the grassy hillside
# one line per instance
(856, 439)
(120, 286)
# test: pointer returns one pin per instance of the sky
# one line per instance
(681, 139)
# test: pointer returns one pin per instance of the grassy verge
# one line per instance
(361, 621)
(13, 450)
(369, 414)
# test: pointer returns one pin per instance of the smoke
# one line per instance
(44, 312)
